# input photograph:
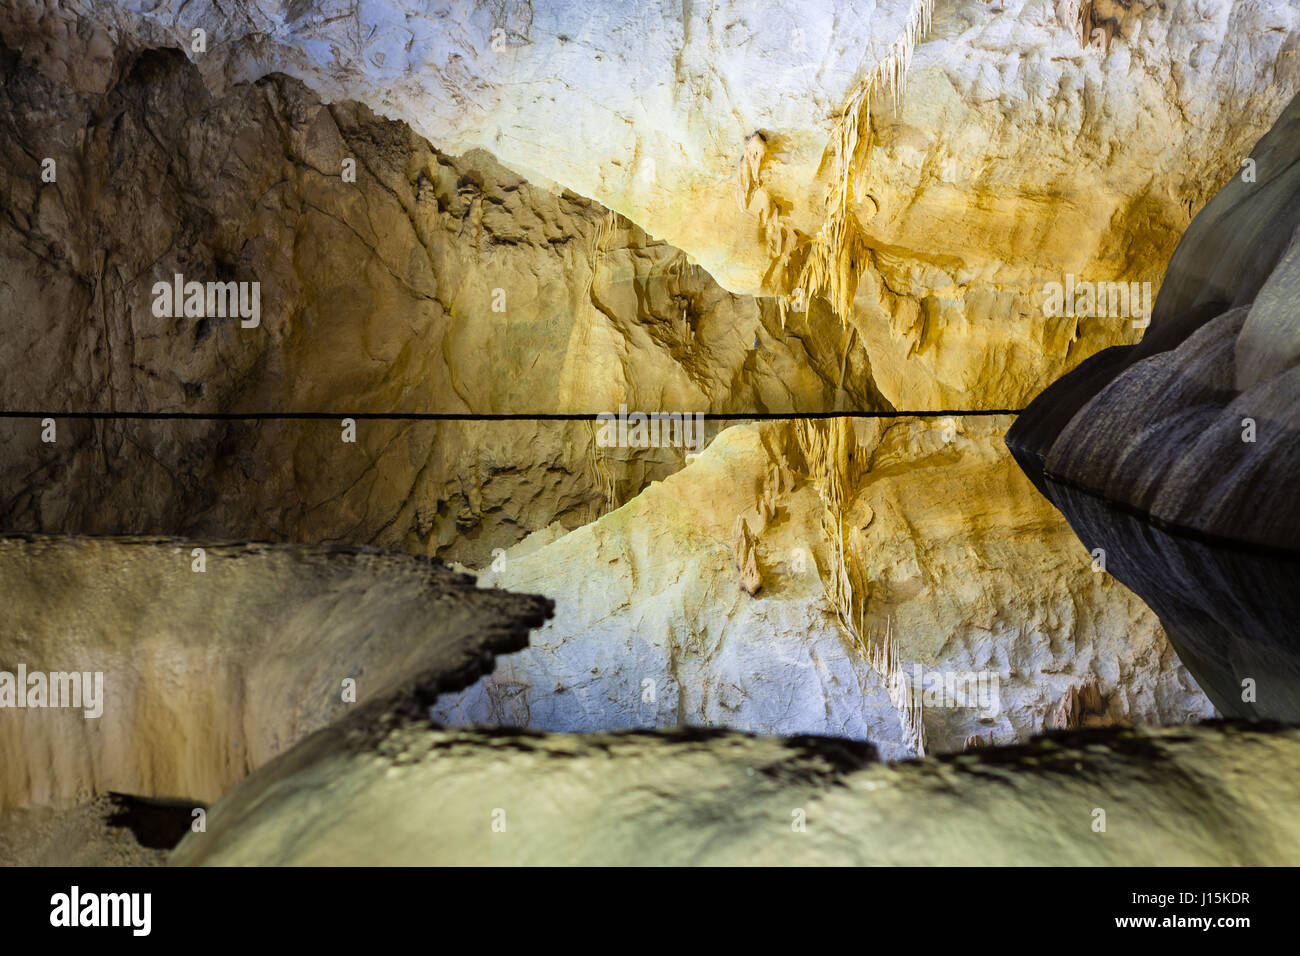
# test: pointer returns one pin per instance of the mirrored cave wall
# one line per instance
(725, 230)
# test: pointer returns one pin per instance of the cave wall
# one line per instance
(620, 287)
(210, 665)
(1063, 159)
(378, 295)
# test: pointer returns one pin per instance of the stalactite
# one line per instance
(744, 551)
(836, 462)
(836, 256)
(833, 457)
(751, 579)
(603, 474)
(751, 164)
(905, 698)
(739, 541)
(1078, 704)
(1089, 24)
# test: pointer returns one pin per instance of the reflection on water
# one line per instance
(1232, 613)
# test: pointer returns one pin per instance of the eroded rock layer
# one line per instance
(457, 490)
(207, 674)
(401, 792)
(992, 609)
(615, 207)
(383, 294)
(376, 296)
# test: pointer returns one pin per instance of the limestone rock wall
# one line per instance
(1174, 455)
(1014, 157)
(376, 296)
(1190, 426)
(386, 294)
(577, 166)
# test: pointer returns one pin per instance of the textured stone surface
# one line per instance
(1229, 612)
(376, 297)
(1065, 160)
(79, 836)
(352, 322)
(208, 675)
(1015, 157)
(1162, 428)
(399, 792)
(1196, 430)
(456, 490)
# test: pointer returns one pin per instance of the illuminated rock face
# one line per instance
(376, 296)
(1193, 424)
(1196, 431)
(425, 201)
(379, 295)
(1014, 159)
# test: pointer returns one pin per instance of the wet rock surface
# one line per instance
(1229, 611)
(653, 627)
(403, 792)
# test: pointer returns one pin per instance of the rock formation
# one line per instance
(216, 658)
(1167, 456)
(447, 237)
(400, 329)
(1064, 163)
(652, 630)
(745, 554)
(507, 797)
(1081, 706)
